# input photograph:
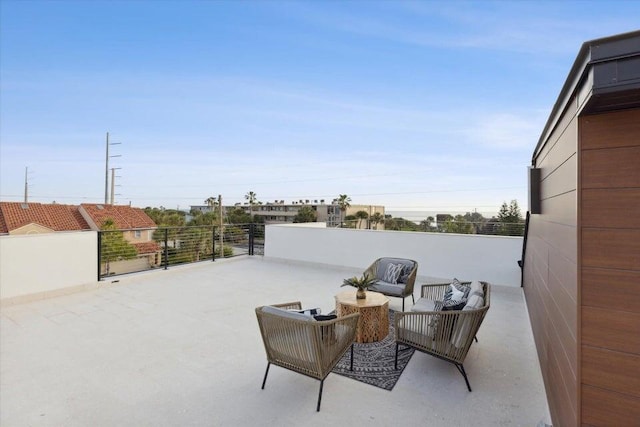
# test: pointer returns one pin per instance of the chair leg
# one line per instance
(320, 395)
(464, 374)
(264, 381)
(402, 303)
(395, 365)
(413, 299)
(475, 338)
(352, 356)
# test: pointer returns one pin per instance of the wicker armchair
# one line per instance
(302, 344)
(444, 334)
(404, 286)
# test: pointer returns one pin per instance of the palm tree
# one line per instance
(376, 219)
(343, 202)
(361, 215)
(211, 202)
(252, 198)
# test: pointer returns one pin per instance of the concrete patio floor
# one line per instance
(182, 348)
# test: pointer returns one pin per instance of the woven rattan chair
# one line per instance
(444, 334)
(404, 286)
(304, 345)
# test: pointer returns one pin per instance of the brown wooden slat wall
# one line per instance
(610, 268)
(551, 271)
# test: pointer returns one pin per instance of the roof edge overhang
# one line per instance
(605, 76)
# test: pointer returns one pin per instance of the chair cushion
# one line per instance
(476, 288)
(407, 264)
(455, 284)
(392, 273)
(387, 288)
(424, 304)
(454, 299)
(474, 302)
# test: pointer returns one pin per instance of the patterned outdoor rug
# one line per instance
(373, 362)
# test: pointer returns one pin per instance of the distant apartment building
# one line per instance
(280, 212)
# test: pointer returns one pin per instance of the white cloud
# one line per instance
(508, 131)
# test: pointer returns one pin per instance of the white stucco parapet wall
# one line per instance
(43, 264)
(464, 256)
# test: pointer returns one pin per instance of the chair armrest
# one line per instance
(333, 337)
(371, 271)
(296, 305)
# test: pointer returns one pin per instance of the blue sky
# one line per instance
(419, 106)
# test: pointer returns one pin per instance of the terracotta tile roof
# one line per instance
(124, 217)
(56, 217)
(147, 247)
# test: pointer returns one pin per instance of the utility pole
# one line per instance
(106, 173)
(113, 183)
(106, 169)
(26, 185)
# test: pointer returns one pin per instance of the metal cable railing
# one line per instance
(130, 251)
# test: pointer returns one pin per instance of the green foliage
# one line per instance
(207, 218)
(305, 214)
(458, 225)
(376, 219)
(427, 224)
(238, 215)
(510, 220)
(228, 251)
(252, 198)
(361, 216)
(113, 246)
(166, 217)
(343, 202)
(195, 242)
(400, 224)
(359, 282)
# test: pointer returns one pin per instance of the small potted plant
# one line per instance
(361, 284)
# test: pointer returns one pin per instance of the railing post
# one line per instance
(252, 231)
(99, 253)
(213, 243)
(166, 248)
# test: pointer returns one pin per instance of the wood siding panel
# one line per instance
(621, 410)
(567, 277)
(563, 391)
(610, 268)
(610, 130)
(611, 370)
(611, 208)
(561, 180)
(611, 288)
(611, 329)
(560, 209)
(562, 238)
(613, 168)
(609, 248)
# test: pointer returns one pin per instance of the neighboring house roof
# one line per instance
(124, 217)
(14, 215)
(147, 247)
